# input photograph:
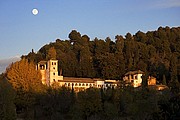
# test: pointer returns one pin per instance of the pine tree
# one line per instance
(51, 53)
(164, 80)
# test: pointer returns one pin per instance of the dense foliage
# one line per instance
(156, 52)
(26, 81)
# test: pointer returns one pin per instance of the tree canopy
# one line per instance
(26, 81)
(156, 52)
(23, 75)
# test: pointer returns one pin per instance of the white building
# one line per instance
(49, 72)
(134, 78)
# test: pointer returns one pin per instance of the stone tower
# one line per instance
(49, 71)
(52, 71)
(42, 67)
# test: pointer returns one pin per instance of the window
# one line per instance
(52, 63)
(76, 84)
(68, 84)
(54, 74)
(83, 84)
(42, 67)
(86, 84)
(54, 80)
(135, 76)
(79, 84)
(54, 68)
(132, 76)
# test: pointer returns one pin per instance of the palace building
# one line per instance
(50, 75)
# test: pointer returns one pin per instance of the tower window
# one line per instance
(54, 74)
(42, 67)
(132, 77)
(52, 63)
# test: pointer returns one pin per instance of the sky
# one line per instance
(21, 31)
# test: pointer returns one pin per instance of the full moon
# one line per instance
(34, 11)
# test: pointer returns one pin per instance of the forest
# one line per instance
(157, 53)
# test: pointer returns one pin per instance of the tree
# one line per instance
(51, 53)
(145, 80)
(164, 80)
(54, 104)
(7, 95)
(141, 37)
(88, 104)
(74, 36)
(129, 37)
(26, 81)
(110, 66)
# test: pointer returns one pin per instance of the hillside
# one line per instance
(155, 52)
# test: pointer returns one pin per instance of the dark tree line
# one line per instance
(92, 104)
(156, 52)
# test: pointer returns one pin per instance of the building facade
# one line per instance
(49, 72)
(50, 75)
(134, 78)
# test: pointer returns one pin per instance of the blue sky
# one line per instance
(21, 31)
